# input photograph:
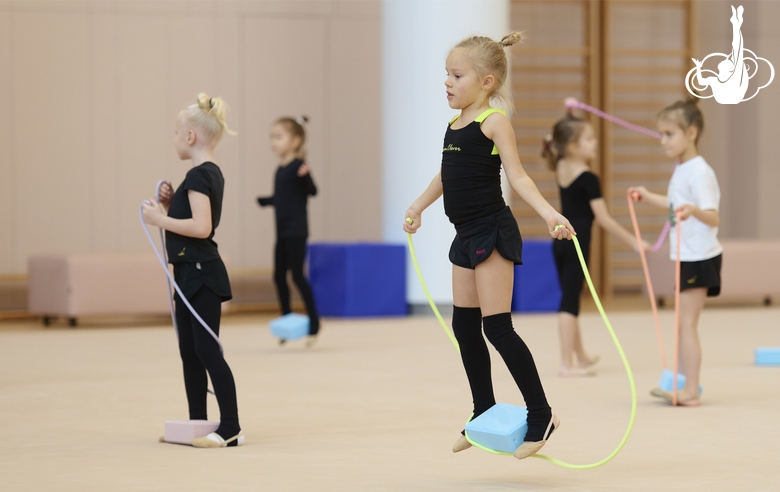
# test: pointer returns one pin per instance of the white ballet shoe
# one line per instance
(529, 448)
(311, 341)
(461, 444)
(214, 440)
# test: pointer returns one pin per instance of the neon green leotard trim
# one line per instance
(481, 118)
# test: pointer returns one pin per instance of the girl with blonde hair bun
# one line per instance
(190, 217)
(487, 245)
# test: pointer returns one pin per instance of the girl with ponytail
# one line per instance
(293, 185)
(568, 150)
(487, 245)
(190, 217)
(693, 195)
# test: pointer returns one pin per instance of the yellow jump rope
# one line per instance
(451, 336)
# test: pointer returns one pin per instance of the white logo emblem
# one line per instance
(730, 84)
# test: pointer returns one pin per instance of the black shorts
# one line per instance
(475, 240)
(705, 273)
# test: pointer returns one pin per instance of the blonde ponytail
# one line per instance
(209, 114)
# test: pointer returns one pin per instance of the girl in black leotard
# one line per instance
(487, 243)
(190, 217)
(293, 185)
(568, 150)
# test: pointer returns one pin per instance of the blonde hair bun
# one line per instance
(513, 37)
(210, 115)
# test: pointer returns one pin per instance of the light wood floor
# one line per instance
(376, 405)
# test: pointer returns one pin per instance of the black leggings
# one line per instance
(200, 354)
(467, 327)
(290, 255)
(570, 274)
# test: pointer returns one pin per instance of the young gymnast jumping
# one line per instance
(568, 149)
(190, 216)
(293, 185)
(694, 195)
(487, 243)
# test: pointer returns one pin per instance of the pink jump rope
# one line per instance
(631, 198)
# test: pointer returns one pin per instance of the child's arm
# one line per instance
(199, 226)
(709, 217)
(307, 180)
(498, 129)
(645, 196)
(265, 201)
(430, 195)
(599, 207)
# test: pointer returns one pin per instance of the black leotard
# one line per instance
(470, 173)
(575, 206)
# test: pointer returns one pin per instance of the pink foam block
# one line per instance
(184, 431)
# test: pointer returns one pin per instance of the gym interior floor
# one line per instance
(376, 405)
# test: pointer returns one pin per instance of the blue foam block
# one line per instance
(290, 326)
(358, 279)
(536, 286)
(501, 428)
(665, 383)
(768, 356)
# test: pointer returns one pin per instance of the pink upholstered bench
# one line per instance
(96, 284)
(751, 271)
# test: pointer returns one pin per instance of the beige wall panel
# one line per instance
(50, 6)
(278, 82)
(354, 132)
(96, 86)
(286, 8)
(737, 141)
(768, 105)
(7, 195)
(51, 107)
(227, 69)
(145, 120)
(157, 7)
(104, 126)
(189, 61)
(359, 9)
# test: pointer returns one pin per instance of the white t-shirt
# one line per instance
(694, 182)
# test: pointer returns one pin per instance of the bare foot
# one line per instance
(589, 362)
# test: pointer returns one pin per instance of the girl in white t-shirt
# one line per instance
(694, 196)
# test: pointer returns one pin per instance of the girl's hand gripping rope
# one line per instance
(413, 221)
(559, 227)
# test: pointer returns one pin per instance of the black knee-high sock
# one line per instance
(467, 327)
(520, 362)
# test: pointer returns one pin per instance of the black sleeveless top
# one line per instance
(575, 203)
(470, 172)
(196, 262)
(207, 179)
